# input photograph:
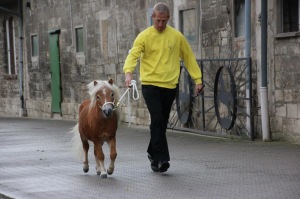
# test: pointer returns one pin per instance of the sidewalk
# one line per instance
(36, 163)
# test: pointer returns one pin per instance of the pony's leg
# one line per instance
(97, 162)
(113, 156)
(85, 145)
(100, 156)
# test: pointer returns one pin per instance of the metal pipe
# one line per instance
(14, 45)
(8, 46)
(21, 113)
(264, 68)
(249, 124)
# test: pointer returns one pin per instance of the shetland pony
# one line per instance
(98, 122)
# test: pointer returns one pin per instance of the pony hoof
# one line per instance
(110, 171)
(98, 173)
(103, 176)
(85, 170)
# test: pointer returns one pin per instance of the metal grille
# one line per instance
(225, 106)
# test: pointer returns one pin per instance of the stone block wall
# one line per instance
(285, 115)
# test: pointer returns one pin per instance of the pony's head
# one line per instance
(104, 94)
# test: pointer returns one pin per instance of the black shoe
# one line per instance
(163, 166)
(154, 167)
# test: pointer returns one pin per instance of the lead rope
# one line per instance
(135, 96)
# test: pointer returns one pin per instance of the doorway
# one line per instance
(55, 71)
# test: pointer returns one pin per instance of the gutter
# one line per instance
(249, 125)
(264, 69)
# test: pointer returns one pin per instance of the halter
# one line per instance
(135, 96)
(112, 103)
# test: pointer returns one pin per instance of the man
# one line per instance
(160, 48)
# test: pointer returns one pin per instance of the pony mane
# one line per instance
(93, 89)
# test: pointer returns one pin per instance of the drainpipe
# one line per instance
(249, 125)
(264, 68)
(8, 46)
(21, 113)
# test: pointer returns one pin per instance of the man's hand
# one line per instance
(128, 78)
(198, 89)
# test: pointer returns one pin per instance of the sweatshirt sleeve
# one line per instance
(187, 55)
(134, 53)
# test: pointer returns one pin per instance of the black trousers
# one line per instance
(159, 102)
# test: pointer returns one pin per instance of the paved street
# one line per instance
(36, 163)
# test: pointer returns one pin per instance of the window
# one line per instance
(239, 18)
(10, 43)
(188, 24)
(149, 17)
(290, 16)
(79, 39)
(34, 46)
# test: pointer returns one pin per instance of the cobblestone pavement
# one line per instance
(36, 163)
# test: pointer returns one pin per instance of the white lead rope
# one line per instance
(135, 96)
(135, 93)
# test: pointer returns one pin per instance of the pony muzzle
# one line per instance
(107, 109)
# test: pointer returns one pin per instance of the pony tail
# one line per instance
(76, 144)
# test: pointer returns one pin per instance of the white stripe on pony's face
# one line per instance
(104, 92)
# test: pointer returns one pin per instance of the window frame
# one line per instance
(235, 33)
(187, 7)
(280, 33)
(82, 47)
(34, 48)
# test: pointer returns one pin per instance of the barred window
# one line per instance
(290, 16)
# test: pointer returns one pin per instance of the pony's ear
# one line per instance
(95, 83)
(111, 81)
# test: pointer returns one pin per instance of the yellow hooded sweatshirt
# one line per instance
(160, 54)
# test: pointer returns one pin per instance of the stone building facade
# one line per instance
(93, 38)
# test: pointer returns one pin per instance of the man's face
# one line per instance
(160, 21)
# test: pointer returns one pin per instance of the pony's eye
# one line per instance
(112, 94)
(98, 97)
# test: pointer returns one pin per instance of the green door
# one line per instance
(55, 71)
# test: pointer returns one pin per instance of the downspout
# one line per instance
(21, 113)
(249, 124)
(8, 46)
(264, 68)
